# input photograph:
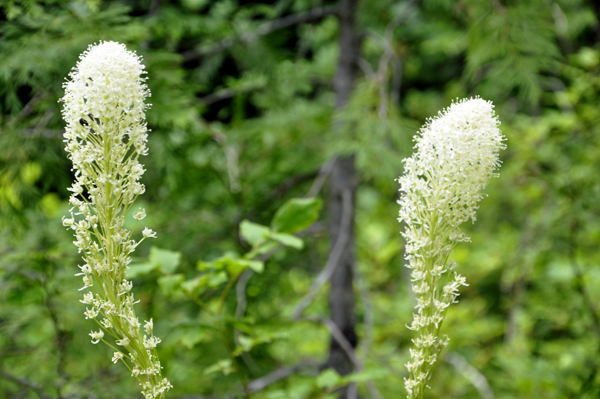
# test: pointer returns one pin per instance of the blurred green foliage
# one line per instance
(241, 124)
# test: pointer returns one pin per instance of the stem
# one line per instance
(198, 302)
(325, 393)
(226, 291)
(235, 364)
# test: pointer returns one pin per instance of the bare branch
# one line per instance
(367, 341)
(389, 55)
(25, 383)
(581, 288)
(334, 257)
(61, 341)
(346, 346)
(317, 185)
(28, 108)
(498, 6)
(47, 133)
(399, 19)
(365, 298)
(154, 7)
(217, 96)
(366, 68)
(265, 29)
(240, 290)
(337, 334)
(396, 81)
(290, 183)
(580, 283)
(472, 374)
(43, 122)
(530, 245)
(352, 391)
(277, 375)
(231, 154)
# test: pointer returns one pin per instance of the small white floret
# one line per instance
(116, 357)
(140, 214)
(96, 336)
(148, 233)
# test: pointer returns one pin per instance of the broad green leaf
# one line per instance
(288, 240)
(234, 265)
(195, 285)
(366, 375)
(140, 269)
(169, 284)
(296, 214)
(328, 379)
(191, 337)
(253, 233)
(246, 343)
(223, 366)
(256, 265)
(166, 260)
(215, 280)
(237, 265)
(203, 266)
(240, 325)
(261, 249)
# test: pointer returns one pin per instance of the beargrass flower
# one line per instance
(106, 133)
(457, 153)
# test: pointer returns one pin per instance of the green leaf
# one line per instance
(254, 233)
(169, 284)
(288, 240)
(204, 266)
(140, 269)
(296, 214)
(246, 343)
(223, 366)
(215, 280)
(240, 325)
(191, 337)
(167, 261)
(366, 375)
(261, 249)
(195, 285)
(328, 379)
(235, 265)
(256, 265)
(227, 262)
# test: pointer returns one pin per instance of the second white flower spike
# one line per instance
(457, 153)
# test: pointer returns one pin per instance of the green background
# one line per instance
(239, 130)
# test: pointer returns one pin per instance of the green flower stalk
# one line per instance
(106, 133)
(457, 153)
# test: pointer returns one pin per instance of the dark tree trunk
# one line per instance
(343, 183)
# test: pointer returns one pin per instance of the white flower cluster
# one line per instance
(106, 133)
(457, 153)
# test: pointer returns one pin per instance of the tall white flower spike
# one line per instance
(106, 133)
(457, 153)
